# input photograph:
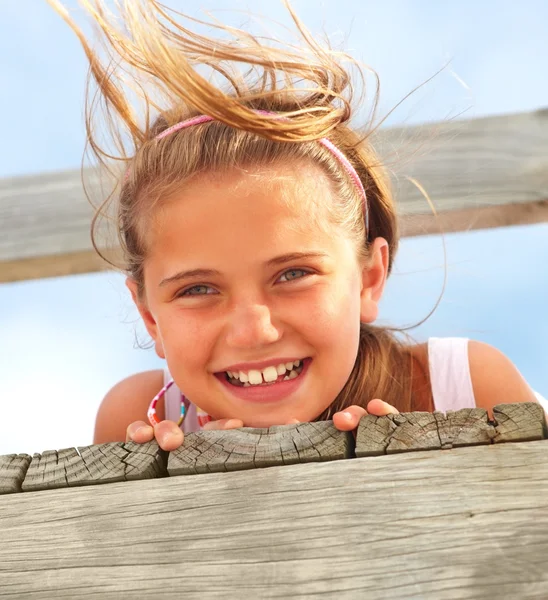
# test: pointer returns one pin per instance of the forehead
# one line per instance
(240, 212)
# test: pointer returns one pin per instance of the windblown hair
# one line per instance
(155, 60)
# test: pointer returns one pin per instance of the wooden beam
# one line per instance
(254, 448)
(251, 448)
(468, 523)
(53, 265)
(409, 432)
(479, 173)
(336, 529)
(468, 219)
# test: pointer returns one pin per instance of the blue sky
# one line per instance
(67, 340)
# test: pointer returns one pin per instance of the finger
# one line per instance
(224, 424)
(293, 422)
(168, 435)
(379, 408)
(348, 419)
(139, 432)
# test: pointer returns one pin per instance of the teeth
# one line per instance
(291, 375)
(268, 375)
(255, 377)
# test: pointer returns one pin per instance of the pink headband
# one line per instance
(324, 141)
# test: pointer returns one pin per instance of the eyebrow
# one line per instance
(278, 260)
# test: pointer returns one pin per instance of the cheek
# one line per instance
(336, 314)
(184, 339)
(337, 329)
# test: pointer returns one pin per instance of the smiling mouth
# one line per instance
(293, 374)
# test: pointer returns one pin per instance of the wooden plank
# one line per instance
(519, 422)
(480, 217)
(89, 465)
(412, 432)
(465, 427)
(252, 448)
(417, 431)
(469, 523)
(56, 265)
(479, 173)
(13, 468)
(469, 164)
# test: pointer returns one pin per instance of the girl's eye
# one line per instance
(195, 287)
(191, 290)
(293, 271)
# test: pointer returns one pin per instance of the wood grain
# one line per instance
(469, 523)
(89, 465)
(487, 172)
(412, 432)
(519, 422)
(13, 468)
(465, 427)
(252, 448)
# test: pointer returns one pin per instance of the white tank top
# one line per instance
(449, 375)
(450, 378)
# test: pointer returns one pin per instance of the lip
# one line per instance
(267, 393)
(258, 366)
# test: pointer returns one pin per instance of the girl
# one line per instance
(258, 230)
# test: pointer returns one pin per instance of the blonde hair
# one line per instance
(161, 57)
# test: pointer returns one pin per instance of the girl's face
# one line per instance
(256, 303)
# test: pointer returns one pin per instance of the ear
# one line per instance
(146, 315)
(374, 275)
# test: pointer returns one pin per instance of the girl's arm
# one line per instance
(495, 378)
(126, 403)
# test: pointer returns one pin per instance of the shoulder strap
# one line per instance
(450, 374)
(172, 404)
(172, 399)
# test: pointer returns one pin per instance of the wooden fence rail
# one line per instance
(479, 173)
(398, 522)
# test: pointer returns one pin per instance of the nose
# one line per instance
(251, 326)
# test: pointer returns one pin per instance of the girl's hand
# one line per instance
(349, 418)
(168, 435)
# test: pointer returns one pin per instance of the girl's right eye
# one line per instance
(194, 287)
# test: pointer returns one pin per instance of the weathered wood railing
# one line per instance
(479, 173)
(379, 518)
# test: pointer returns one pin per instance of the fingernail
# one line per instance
(134, 433)
(347, 415)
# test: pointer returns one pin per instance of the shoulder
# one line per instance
(125, 403)
(495, 378)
